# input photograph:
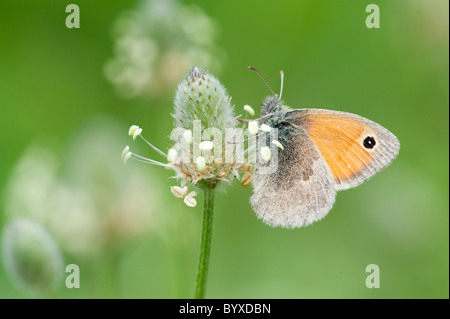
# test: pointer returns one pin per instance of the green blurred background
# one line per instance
(65, 113)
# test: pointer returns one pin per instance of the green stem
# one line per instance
(205, 245)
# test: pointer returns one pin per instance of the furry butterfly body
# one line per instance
(324, 151)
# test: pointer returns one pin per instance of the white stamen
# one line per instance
(265, 154)
(151, 162)
(278, 144)
(172, 155)
(206, 146)
(188, 136)
(126, 157)
(253, 127)
(132, 130)
(247, 167)
(222, 174)
(201, 163)
(125, 150)
(137, 133)
(192, 194)
(147, 160)
(265, 128)
(249, 110)
(179, 192)
(152, 146)
(247, 179)
(190, 200)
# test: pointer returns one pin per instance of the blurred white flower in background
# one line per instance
(156, 43)
(32, 179)
(90, 201)
(31, 256)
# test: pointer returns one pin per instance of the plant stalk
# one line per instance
(205, 244)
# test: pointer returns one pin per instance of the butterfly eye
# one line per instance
(369, 142)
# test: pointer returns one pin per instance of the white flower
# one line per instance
(275, 142)
(206, 146)
(134, 131)
(190, 200)
(249, 110)
(172, 155)
(247, 179)
(265, 154)
(187, 135)
(137, 133)
(247, 167)
(265, 128)
(179, 192)
(201, 163)
(253, 127)
(126, 157)
(125, 151)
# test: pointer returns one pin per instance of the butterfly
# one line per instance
(323, 152)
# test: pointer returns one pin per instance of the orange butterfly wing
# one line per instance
(353, 147)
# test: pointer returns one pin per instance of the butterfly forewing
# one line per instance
(353, 147)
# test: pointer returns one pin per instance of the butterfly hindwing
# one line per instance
(300, 190)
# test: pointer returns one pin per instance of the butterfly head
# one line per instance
(271, 104)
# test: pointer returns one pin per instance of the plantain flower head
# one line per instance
(208, 147)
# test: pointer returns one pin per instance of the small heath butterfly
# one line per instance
(323, 152)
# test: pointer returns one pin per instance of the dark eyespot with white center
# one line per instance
(369, 142)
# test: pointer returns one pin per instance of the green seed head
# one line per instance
(200, 96)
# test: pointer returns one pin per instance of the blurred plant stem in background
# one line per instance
(110, 275)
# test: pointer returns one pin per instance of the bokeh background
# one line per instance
(68, 96)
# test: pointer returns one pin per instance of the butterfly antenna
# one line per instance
(260, 75)
(282, 81)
